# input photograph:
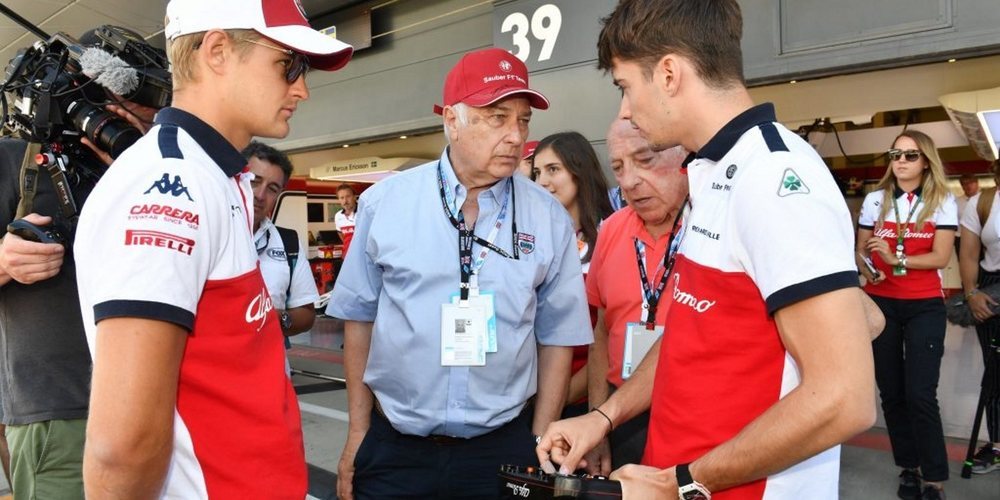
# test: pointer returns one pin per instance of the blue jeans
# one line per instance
(907, 367)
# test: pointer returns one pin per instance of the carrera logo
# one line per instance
(258, 309)
(136, 237)
(689, 300)
(165, 186)
(170, 214)
(276, 254)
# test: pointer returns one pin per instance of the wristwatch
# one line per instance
(286, 320)
(688, 488)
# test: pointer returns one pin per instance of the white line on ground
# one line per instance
(323, 411)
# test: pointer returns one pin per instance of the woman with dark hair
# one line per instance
(979, 265)
(566, 165)
(907, 226)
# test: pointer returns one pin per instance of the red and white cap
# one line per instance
(484, 77)
(283, 21)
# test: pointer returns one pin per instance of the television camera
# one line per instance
(54, 93)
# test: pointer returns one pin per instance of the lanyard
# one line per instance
(903, 228)
(651, 298)
(466, 235)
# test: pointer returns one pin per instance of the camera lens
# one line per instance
(107, 131)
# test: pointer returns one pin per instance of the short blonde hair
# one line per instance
(180, 52)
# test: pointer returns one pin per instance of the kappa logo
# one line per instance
(791, 184)
(174, 188)
(526, 242)
(259, 308)
(139, 237)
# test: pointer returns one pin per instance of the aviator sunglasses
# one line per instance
(909, 154)
(296, 67)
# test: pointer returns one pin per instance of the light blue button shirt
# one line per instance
(409, 267)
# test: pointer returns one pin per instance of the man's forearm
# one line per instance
(553, 378)
(828, 338)
(303, 318)
(636, 394)
(357, 343)
(597, 364)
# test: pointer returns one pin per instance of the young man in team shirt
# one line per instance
(189, 396)
(344, 218)
(765, 365)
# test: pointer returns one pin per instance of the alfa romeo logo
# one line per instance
(505, 65)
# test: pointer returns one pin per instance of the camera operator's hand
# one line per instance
(26, 261)
(137, 115)
(981, 306)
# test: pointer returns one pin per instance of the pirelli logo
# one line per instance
(159, 239)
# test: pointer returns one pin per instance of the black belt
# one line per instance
(439, 439)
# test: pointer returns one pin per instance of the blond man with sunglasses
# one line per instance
(189, 395)
(907, 228)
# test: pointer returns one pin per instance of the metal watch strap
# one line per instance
(687, 487)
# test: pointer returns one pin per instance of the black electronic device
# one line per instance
(516, 482)
(32, 232)
(869, 265)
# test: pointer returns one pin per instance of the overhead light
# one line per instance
(793, 82)
(346, 146)
(402, 137)
(952, 60)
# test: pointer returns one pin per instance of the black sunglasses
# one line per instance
(296, 67)
(909, 154)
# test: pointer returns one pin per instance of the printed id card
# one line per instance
(484, 299)
(638, 341)
(463, 335)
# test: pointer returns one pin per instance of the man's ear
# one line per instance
(668, 73)
(215, 51)
(450, 122)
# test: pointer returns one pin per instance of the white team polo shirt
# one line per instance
(768, 227)
(274, 267)
(165, 235)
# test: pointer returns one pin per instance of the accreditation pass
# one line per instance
(463, 334)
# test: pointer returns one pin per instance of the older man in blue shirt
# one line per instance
(462, 299)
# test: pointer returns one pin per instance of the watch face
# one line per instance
(692, 492)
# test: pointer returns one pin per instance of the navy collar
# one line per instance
(897, 191)
(218, 148)
(726, 137)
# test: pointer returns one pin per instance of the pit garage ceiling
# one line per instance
(77, 16)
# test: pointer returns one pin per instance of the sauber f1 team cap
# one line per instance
(484, 77)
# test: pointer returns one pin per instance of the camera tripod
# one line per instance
(988, 390)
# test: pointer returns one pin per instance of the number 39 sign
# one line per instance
(546, 34)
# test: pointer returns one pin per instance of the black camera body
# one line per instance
(53, 102)
(55, 92)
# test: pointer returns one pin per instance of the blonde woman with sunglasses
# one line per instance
(907, 230)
